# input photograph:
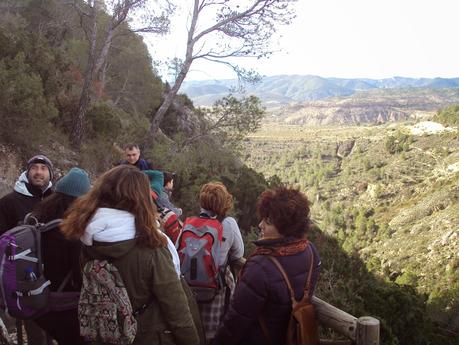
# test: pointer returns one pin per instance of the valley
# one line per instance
(389, 194)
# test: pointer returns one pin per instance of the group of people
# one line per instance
(116, 219)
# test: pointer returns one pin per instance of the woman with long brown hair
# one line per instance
(116, 221)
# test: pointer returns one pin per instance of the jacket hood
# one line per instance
(109, 225)
(21, 185)
(111, 234)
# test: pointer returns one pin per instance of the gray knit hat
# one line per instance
(42, 160)
(75, 183)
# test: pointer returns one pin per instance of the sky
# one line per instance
(346, 39)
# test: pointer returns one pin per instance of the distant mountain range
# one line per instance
(281, 90)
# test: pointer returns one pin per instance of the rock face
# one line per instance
(317, 115)
(371, 107)
(344, 148)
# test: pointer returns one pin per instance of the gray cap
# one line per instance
(42, 160)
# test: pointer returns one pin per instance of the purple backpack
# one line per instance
(24, 290)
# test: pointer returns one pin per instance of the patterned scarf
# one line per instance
(283, 248)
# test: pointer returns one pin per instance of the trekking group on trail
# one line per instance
(113, 263)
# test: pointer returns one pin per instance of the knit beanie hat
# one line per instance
(76, 183)
(156, 178)
(42, 160)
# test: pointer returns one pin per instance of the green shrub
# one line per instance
(25, 111)
(448, 116)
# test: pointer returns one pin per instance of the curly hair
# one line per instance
(215, 197)
(124, 188)
(286, 208)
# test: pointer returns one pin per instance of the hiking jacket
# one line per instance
(149, 277)
(141, 164)
(164, 202)
(15, 205)
(262, 292)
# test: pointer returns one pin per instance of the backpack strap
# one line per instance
(307, 286)
(28, 217)
(65, 281)
(43, 227)
(287, 281)
(50, 225)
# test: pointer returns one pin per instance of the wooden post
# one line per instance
(367, 331)
(334, 318)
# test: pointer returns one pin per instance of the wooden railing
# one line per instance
(359, 331)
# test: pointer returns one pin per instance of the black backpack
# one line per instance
(24, 290)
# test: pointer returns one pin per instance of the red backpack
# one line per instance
(171, 223)
(199, 247)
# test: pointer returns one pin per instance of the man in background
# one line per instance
(32, 186)
(132, 154)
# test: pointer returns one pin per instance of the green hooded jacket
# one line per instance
(150, 278)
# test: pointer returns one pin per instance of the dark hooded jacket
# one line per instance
(262, 292)
(150, 278)
(15, 205)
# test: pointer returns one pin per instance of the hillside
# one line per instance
(282, 90)
(370, 107)
(389, 194)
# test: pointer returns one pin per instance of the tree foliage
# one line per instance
(231, 119)
(25, 110)
(43, 59)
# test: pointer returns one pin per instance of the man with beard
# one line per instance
(32, 186)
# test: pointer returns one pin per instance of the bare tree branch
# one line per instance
(234, 33)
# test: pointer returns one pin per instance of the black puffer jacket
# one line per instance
(15, 205)
(261, 291)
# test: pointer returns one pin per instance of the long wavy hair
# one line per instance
(215, 197)
(124, 188)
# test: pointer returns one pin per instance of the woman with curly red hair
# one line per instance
(260, 309)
